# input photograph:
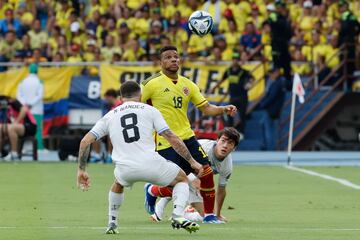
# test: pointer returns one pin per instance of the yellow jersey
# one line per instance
(172, 99)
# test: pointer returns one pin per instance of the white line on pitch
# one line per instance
(324, 176)
(208, 229)
(96, 228)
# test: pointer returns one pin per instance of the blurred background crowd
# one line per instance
(133, 30)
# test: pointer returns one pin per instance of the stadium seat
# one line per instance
(33, 153)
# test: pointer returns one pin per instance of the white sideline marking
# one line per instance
(324, 176)
(167, 227)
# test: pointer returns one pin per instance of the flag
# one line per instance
(298, 88)
(56, 96)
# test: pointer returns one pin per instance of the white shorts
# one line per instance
(157, 171)
(194, 195)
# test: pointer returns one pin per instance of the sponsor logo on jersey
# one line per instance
(186, 91)
(166, 90)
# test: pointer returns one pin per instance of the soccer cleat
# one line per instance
(155, 218)
(94, 159)
(11, 157)
(185, 224)
(212, 219)
(108, 159)
(112, 229)
(149, 200)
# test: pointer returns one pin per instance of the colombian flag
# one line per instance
(56, 92)
(56, 96)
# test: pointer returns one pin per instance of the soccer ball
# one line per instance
(200, 23)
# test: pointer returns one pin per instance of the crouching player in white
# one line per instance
(130, 127)
(219, 153)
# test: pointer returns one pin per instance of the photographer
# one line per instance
(17, 121)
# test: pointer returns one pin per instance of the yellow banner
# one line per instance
(205, 76)
(113, 76)
(10, 79)
(56, 82)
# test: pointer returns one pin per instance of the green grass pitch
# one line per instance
(40, 201)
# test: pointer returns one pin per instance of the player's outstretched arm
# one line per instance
(213, 110)
(83, 180)
(182, 150)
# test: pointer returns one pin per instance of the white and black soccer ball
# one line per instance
(200, 23)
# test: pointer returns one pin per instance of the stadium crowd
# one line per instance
(133, 30)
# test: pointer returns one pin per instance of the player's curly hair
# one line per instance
(231, 133)
(167, 48)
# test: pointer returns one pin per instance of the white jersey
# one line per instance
(30, 92)
(221, 167)
(131, 127)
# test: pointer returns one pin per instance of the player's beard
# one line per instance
(173, 69)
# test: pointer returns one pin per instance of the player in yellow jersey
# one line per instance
(171, 94)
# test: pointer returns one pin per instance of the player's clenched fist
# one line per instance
(83, 180)
(197, 167)
(230, 110)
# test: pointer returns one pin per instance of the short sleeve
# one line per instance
(147, 88)
(160, 124)
(101, 127)
(196, 97)
(225, 175)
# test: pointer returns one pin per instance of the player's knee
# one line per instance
(181, 177)
(117, 187)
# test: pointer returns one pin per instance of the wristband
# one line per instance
(191, 177)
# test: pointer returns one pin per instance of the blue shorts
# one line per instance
(197, 152)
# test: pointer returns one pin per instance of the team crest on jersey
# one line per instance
(186, 91)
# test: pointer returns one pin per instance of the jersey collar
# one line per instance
(170, 79)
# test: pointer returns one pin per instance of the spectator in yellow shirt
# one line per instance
(133, 52)
(255, 17)
(110, 30)
(307, 20)
(135, 4)
(266, 41)
(63, 15)
(141, 25)
(299, 65)
(226, 52)
(124, 35)
(108, 51)
(155, 35)
(178, 36)
(38, 38)
(242, 8)
(170, 7)
(200, 45)
(75, 54)
(89, 55)
(224, 23)
(95, 6)
(312, 53)
(186, 9)
(62, 47)
(332, 58)
(232, 36)
(52, 41)
(216, 9)
(9, 46)
(215, 56)
(126, 18)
